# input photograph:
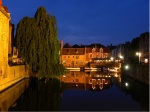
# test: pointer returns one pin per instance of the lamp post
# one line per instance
(111, 58)
(138, 54)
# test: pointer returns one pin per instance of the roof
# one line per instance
(105, 50)
(73, 51)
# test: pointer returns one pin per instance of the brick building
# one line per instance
(79, 57)
(73, 57)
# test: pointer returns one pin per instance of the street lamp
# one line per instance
(112, 58)
(121, 57)
(138, 54)
(126, 67)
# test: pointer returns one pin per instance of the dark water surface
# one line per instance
(79, 91)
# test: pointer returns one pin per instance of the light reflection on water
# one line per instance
(102, 91)
(79, 91)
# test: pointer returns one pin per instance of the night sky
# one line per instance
(89, 21)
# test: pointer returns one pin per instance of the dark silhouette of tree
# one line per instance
(67, 45)
(76, 46)
(38, 45)
(97, 45)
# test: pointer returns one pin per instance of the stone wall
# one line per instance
(4, 37)
(15, 74)
(8, 74)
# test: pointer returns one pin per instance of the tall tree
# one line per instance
(38, 44)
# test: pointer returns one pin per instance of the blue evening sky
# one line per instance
(89, 21)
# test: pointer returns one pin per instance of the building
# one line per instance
(8, 74)
(73, 57)
(96, 54)
(82, 55)
(4, 39)
(144, 47)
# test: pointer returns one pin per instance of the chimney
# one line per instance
(6, 8)
(0, 2)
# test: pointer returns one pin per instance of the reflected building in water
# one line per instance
(93, 80)
(9, 96)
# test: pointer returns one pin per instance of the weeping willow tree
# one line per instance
(38, 45)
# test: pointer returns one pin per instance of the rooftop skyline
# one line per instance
(87, 21)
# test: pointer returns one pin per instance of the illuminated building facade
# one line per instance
(8, 74)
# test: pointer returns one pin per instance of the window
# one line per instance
(101, 50)
(68, 51)
(90, 55)
(64, 61)
(93, 50)
(76, 75)
(90, 81)
(77, 80)
(72, 74)
(77, 57)
(76, 50)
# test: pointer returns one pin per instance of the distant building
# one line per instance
(73, 57)
(118, 52)
(96, 54)
(144, 47)
(79, 57)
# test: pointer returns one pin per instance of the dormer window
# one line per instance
(101, 50)
(93, 50)
(76, 50)
(68, 51)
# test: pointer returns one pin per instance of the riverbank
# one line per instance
(137, 71)
(13, 75)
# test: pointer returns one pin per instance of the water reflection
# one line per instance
(9, 96)
(138, 91)
(130, 95)
(46, 97)
(75, 91)
(93, 80)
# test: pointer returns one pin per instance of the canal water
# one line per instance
(78, 91)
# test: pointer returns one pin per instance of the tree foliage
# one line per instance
(38, 45)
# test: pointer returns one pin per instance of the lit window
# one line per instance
(146, 60)
(64, 61)
(76, 50)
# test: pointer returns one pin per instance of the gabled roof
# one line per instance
(105, 50)
(73, 51)
(4, 10)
